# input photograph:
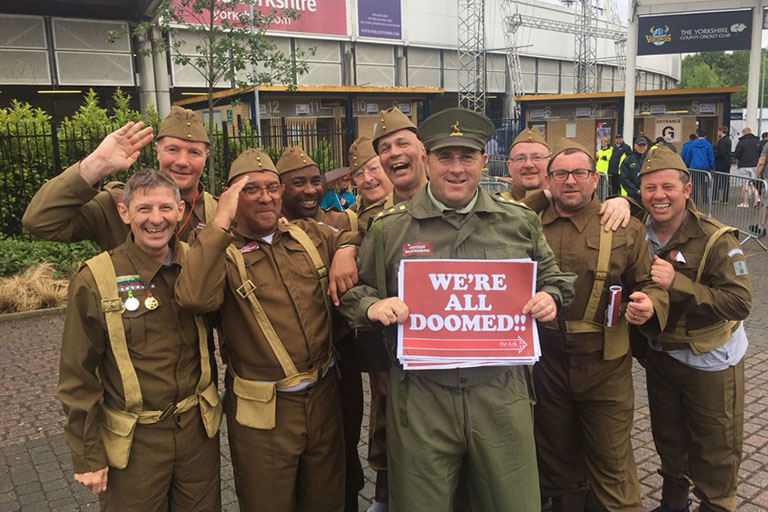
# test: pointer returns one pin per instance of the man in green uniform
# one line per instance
(268, 282)
(695, 367)
(303, 184)
(70, 207)
(584, 413)
(142, 413)
(439, 420)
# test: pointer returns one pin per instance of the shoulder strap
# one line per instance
(322, 271)
(378, 254)
(353, 225)
(202, 336)
(106, 281)
(209, 205)
(389, 202)
(708, 248)
(246, 292)
(601, 273)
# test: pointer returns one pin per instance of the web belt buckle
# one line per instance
(115, 304)
(245, 289)
(167, 412)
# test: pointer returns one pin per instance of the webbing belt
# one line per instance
(587, 323)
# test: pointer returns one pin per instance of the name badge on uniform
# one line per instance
(411, 248)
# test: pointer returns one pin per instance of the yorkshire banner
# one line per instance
(691, 33)
(467, 313)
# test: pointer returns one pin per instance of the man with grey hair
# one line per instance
(142, 412)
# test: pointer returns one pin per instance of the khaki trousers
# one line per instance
(173, 466)
(697, 420)
(298, 466)
(377, 431)
(433, 431)
(583, 419)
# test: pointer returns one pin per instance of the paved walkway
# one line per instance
(36, 470)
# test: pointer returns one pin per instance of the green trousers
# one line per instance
(433, 431)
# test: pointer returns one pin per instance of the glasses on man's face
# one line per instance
(578, 174)
(468, 158)
(535, 158)
(360, 173)
(273, 190)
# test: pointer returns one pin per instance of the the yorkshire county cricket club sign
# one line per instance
(690, 33)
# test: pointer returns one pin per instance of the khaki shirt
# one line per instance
(67, 209)
(536, 200)
(162, 343)
(575, 240)
(493, 229)
(333, 217)
(725, 291)
(287, 287)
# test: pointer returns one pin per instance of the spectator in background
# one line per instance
(661, 141)
(620, 150)
(338, 194)
(700, 154)
(722, 163)
(747, 155)
(630, 168)
(763, 140)
(687, 146)
(603, 155)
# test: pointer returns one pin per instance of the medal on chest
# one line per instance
(131, 303)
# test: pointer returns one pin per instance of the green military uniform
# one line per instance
(584, 413)
(439, 420)
(173, 464)
(68, 209)
(694, 369)
(283, 411)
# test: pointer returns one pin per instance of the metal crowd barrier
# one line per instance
(497, 165)
(701, 191)
(741, 202)
(493, 185)
(603, 188)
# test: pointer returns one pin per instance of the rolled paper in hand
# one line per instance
(614, 306)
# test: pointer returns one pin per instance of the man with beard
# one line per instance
(303, 184)
(70, 207)
(695, 367)
(142, 411)
(584, 412)
(268, 282)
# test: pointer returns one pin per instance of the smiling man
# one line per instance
(142, 412)
(695, 367)
(372, 183)
(268, 282)
(440, 422)
(70, 207)
(584, 414)
(401, 153)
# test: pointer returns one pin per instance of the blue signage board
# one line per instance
(379, 18)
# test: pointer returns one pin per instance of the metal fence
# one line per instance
(701, 191)
(31, 153)
(741, 202)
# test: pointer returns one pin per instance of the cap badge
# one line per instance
(456, 131)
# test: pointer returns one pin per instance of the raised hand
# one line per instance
(117, 152)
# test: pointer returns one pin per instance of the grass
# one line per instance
(38, 287)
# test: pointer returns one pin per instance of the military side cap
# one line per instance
(251, 160)
(661, 158)
(293, 158)
(390, 121)
(183, 124)
(529, 135)
(456, 127)
(360, 152)
(565, 144)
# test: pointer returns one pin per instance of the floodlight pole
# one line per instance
(256, 106)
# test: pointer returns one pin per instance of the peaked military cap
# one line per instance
(565, 144)
(529, 135)
(183, 124)
(250, 160)
(456, 127)
(360, 152)
(390, 121)
(293, 158)
(661, 158)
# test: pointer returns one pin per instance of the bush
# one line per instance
(37, 288)
(19, 255)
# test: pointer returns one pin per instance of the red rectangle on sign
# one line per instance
(467, 309)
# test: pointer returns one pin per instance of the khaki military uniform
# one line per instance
(292, 460)
(536, 200)
(67, 209)
(438, 420)
(584, 413)
(173, 464)
(697, 417)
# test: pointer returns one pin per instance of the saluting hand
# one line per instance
(95, 481)
(227, 208)
(662, 272)
(389, 311)
(117, 152)
(639, 309)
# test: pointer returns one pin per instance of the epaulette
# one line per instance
(114, 185)
(504, 200)
(398, 208)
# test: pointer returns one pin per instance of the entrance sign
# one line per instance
(467, 313)
(671, 128)
(693, 33)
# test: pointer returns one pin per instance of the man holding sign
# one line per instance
(480, 417)
(584, 388)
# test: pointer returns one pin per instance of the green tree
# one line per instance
(228, 42)
(724, 69)
(699, 75)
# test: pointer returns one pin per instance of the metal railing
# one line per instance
(741, 202)
(701, 191)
